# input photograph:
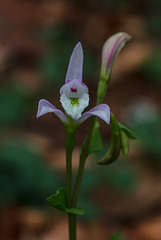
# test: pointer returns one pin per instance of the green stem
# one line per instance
(101, 91)
(83, 156)
(70, 142)
(72, 220)
(102, 87)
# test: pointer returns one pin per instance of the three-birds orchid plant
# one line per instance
(74, 98)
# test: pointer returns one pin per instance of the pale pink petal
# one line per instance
(102, 111)
(75, 67)
(45, 106)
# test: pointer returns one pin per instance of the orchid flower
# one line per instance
(74, 95)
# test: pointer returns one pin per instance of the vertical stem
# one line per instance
(72, 218)
(101, 91)
(68, 168)
(70, 142)
(83, 156)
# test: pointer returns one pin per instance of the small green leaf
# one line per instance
(58, 201)
(96, 141)
(128, 132)
(124, 143)
(117, 236)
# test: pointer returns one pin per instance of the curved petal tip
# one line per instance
(75, 67)
(45, 106)
(102, 111)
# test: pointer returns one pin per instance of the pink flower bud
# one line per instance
(111, 49)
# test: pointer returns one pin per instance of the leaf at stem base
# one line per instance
(58, 201)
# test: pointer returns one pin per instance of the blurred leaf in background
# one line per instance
(53, 64)
(150, 135)
(116, 236)
(153, 17)
(119, 176)
(15, 105)
(25, 178)
(151, 69)
(144, 119)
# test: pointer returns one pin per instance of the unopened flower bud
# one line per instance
(110, 50)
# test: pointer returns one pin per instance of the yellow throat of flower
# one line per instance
(74, 101)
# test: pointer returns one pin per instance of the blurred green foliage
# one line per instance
(151, 68)
(116, 236)
(149, 133)
(116, 4)
(59, 43)
(119, 176)
(53, 63)
(153, 17)
(154, 23)
(25, 178)
(15, 104)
